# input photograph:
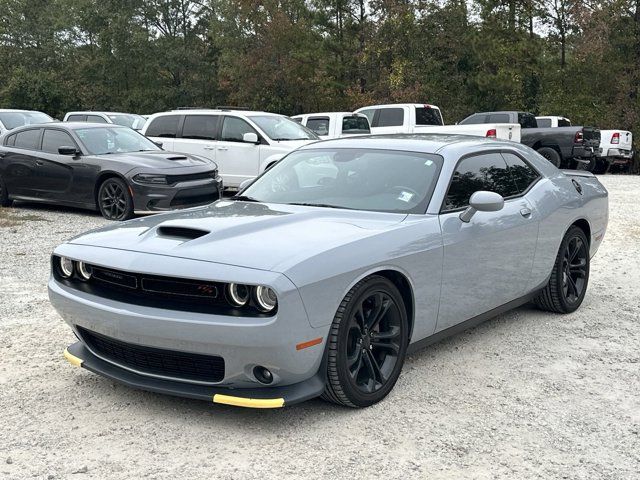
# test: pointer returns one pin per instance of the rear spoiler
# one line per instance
(577, 173)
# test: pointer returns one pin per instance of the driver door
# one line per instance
(488, 261)
(236, 159)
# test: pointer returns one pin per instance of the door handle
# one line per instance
(525, 212)
(223, 148)
(39, 163)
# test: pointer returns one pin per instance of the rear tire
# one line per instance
(602, 167)
(367, 344)
(552, 155)
(114, 200)
(567, 285)
(4, 195)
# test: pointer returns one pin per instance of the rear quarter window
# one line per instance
(28, 139)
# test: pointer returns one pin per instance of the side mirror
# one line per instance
(247, 182)
(482, 201)
(158, 144)
(250, 138)
(73, 151)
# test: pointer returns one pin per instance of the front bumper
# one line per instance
(160, 198)
(267, 397)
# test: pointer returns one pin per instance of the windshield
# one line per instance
(128, 120)
(360, 179)
(280, 128)
(106, 140)
(17, 119)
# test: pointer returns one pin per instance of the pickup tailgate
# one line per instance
(501, 131)
(591, 137)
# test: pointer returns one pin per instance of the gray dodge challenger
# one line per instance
(323, 274)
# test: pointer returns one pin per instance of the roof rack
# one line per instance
(227, 107)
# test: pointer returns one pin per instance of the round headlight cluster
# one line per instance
(264, 298)
(67, 267)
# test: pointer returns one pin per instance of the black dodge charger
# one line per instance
(109, 168)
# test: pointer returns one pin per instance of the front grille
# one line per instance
(173, 179)
(186, 198)
(156, 361)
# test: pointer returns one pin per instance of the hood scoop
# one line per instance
(181, 233)
(177, 157)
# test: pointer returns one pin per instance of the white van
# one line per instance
(242, 143)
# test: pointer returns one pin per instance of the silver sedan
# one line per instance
(324, 273)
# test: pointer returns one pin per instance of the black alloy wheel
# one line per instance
(367, 344)
(114, 200)
(567, 285)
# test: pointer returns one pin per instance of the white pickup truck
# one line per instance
(423, 118)
(335, 124)
(616, 146)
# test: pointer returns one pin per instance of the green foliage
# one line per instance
(291, 56)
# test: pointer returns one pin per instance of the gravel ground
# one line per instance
(525, 395)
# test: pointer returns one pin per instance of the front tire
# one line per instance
(367, 344)
(552, 155)
(4, 195)
(567, 285)
(114, 200)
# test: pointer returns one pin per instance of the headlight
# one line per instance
(84, 270)
(66, 267)
(265, 298)
(238, 294)
(151, 178)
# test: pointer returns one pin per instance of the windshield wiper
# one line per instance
(290, 139)
(244, 198)
(324, 205)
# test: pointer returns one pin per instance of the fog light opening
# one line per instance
(262, 374)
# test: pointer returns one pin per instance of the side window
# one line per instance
(370, 113)
(11, 140)
(526, 120)
(522, 173)
(234, 128)
(390, 117)
(428, 116)
(320, 125)
(54, 139)
(474, 119)
(28, 139)
(355, 124)
(165, 126)
(77, 118)
(481, 172)
(297, 119)
(563, 122)
(498, 118)
(95, 119)
(200, 127)
(544, 122)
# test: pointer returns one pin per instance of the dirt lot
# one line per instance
(526, 395)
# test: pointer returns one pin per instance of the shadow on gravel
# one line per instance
(21, 206)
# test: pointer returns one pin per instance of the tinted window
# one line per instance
(474, 119)
(526, 120)
(428, 116)
(76, 118)
(390, 117)
(522, 173)
(320, 125)
(11, 140)
(355, 124)
(54, 139)
(297, 119)
(563, 122)
(498, 118)
(165, 126)
(202, 127)
(95, 119)
(28, 139)
(544, 122)
(233, 129)
(481, 172)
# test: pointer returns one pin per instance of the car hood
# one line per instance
(253, 235)
(159, 160)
